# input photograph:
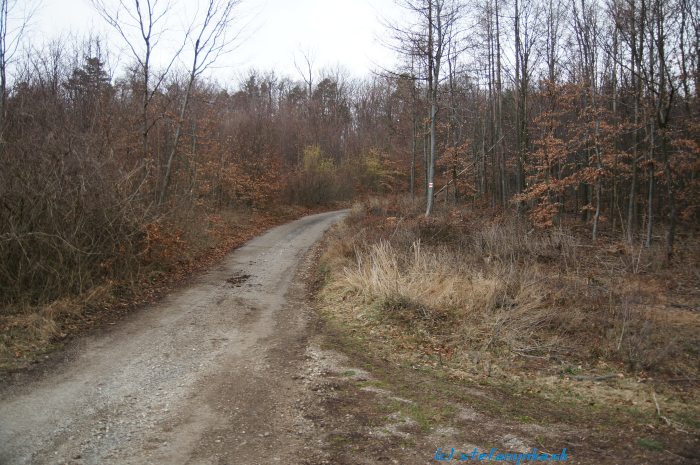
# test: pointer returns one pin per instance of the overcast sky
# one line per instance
(342, 33)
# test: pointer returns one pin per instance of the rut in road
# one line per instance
(207, 375)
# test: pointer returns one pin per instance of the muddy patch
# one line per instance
(238, 279)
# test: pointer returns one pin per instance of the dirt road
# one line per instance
(208, 375)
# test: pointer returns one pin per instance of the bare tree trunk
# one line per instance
(684, 10)
(454, 123)
(426, 158)
(413, 158)
(666, 93)
(636, 46)
(631, 207)
(495, 183)
(4, 10)
(176, 140)
(598, 187)
(193, 176)
(650, 194)
(482, 171)
(145, 99)
(414, 131)
(436, 43)
(614, 194)
(671, 234)
(431, 162)
(430, 167)
(499, 106)
(519, 117)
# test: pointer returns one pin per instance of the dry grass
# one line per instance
(486, 308)
(464, 287)
(487, 299)
(34, 329)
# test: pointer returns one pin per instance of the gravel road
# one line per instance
(209, 375)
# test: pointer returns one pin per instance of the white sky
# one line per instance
(343, 33)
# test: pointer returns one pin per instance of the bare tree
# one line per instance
(140, 25)
(635, 16)
(586, 32)
(490, 18)
(305, 69)
(427, 41)
(209, 40)
(528, 29)
(12, 30)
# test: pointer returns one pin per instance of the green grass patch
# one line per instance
(650, 444)
(339, 439)
(371, 383)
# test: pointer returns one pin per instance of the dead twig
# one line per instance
(658, 409)
(397, 228)
(664, 418)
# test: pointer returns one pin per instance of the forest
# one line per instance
(504, 251)
(581, 114)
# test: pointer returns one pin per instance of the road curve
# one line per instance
(205, 376)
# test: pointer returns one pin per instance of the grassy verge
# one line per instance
(600, 337)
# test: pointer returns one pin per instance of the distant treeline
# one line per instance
(581, 111)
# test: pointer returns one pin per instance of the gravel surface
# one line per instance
(210, 375)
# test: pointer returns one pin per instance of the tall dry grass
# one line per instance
(484, 308)
(470, 283)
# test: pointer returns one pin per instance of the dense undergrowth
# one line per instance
(166, 251)
(481, 295)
